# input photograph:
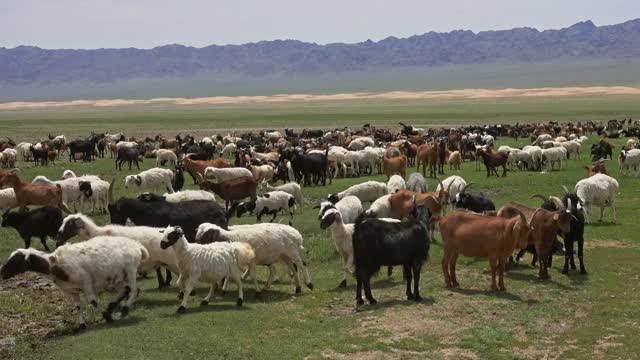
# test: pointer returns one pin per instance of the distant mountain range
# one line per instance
(25, 65)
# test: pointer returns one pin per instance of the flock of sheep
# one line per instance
(187, 232)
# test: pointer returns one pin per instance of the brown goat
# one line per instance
(195, 167)
(231, 190)
(597, 167)
(395, 166)
(428, 155)
(481, 236)
(492, 161)
(34, 194)
(455, 160)
(546, 225)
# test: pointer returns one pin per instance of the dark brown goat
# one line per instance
(492, 161)
(231, 190)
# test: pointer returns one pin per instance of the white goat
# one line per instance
(224, 174)
(165, 156)
(554, 155)
(292, 188)
(599, 190)
(395, 183)
(152, 180)
(381, 208)
(367, 192)
(8, 199)
(629, 159)
(342, 235)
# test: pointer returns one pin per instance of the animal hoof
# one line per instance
(418, 298)
(310, 286)
(372, 302)
(456, 284)
(298, 290)
(502, 288)
(192, 293)
(359, 302)
(181, 310)
(258, 294)
(107, 317)
(343, 284)
(81, 327)
(125, 311)
(204, 303)
(410, 297)
(94, 303)
(239, 302)
(180, 295)
(583, 272)
(565, 271)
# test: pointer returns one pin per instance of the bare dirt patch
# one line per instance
(293, 98)
(592, 244)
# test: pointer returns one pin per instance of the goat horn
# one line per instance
(441, 185)
(569, 205)
(431, 196)
(566, 191)
(532, 216)
(16, 170)
(200, 178)
(544, 198)
(110, 196)
(465, 187)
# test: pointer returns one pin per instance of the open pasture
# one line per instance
(569, 316)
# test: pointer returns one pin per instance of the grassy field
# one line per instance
(574, 316)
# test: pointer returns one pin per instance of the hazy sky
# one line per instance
(149, 23)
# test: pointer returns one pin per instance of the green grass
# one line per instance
(575, 316)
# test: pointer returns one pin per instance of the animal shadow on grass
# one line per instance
(427, 300)
(575, 277)
(499, 294)
(72, 329)
(382, 281)
(517, 276)
(195, 308)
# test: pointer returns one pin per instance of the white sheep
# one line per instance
(165, 156)
(370, 158)
(367, 192)
(292, 188)
(99, 194)
(90, 267)
(8, 199)
(270, 242)
(554, 155)
(535, 153)
(126, 145)
(272, 202)
(350, 207)
(210, 263)
(23, 150)
(149, 237)
(381, 208)
(599, 190)
(70, 189)
(152, 180)
(395, 183)
(228, 150)
(360, 143)
(541, 138)
(188, 195)
(572, 147)
(342, 235)
(337, 154)
(519, 157)
(9, 157)
(224, 174)
(629, 159)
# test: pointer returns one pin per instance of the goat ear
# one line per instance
(266, 195)
(556, 217)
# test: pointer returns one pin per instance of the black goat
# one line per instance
(576, 229)
(309, 167)
(130, 155)
(39, 156)
(41, 223)
(476, 203)
(157, 212)
(379, 243)
(178, 178)
(85, 147)
(601, 150)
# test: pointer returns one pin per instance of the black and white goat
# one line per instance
(474, 202)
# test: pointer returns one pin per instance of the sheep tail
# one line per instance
(245, 255)
(144, 254)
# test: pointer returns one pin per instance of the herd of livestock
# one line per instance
(188, 232)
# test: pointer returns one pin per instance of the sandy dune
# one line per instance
(395, 95)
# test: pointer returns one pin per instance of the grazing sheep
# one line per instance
(381, 208)
(367, 192)
(350, 208)
(417, 183)
(629, 159)
(270, 242)
(292, 188)
(41, 222)
(89, 267)
(164, 156)
(342, 235)
(599, 190)
(395, 183)
(152, 179)
(220, 175)
(554, 155)
(149, 237)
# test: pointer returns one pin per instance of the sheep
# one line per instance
(179, 196)
(475, 235)
(91, 187)
(152, 179)
(89, 267)
(381, 208)
(270, 242)
(164, 156)
(220, 175)
(160, 213)
(379, 243)
(417, 183)
(23, 150)
(554, 155)
(343, 237)
(541, 138)
(572, 147)
(455, 160)
(367, 192)
(262, 172)
(228, 150)
(395, 183)
(34, 194)
(520, 158)
(629, 159)
(8, 199)
(360, 143)
(292, 188)
(149, 237)
(8, 157)
(269, 203)
(350, 208)
(41, 222)
(71, 193)
(195, 167)
(599, 190)
(535, 153)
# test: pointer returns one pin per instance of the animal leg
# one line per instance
(416, 282)
(494, 269)
(187, 290)
(406, 273)
(367, 291)
(568, 255)
(212, 289)
(601, 214)
(581, 255)
(359, 300)
(161, 283)
(452, 269)
(445, 270)
(501, 267)
(106, 315)
(75, 300)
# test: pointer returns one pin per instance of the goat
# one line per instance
(34, 194)
(42, 222)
